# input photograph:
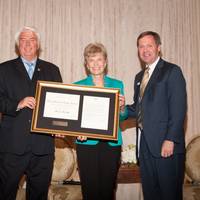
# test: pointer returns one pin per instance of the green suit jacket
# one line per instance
(108, 83)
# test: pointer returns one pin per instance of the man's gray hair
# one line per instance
(27, 29)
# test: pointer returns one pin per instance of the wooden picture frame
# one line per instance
(75, 110)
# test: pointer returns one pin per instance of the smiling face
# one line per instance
(96, 64)
(148, 50)
(28, 45)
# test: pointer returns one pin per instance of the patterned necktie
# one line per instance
(30, 69)
(143, 85)
(144, 82)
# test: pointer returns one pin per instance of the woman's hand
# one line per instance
(82, 138)
(121, 103)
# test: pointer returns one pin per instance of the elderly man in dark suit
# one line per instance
(160, 108)
(20, 150)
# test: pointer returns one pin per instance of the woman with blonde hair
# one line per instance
(99, 160)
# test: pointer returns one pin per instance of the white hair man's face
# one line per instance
(28, 45)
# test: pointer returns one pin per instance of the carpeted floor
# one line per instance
(58, 192)
(73, 192)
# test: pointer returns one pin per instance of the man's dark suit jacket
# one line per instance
(163, 107)
(15, 136)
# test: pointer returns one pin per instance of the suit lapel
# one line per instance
(107, 82)
(21, 69)
(155, 76)
(37, 71)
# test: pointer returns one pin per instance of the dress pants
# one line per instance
(162, 178)
(98, 166)
(38, 171)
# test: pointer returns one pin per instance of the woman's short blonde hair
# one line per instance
(92, 49)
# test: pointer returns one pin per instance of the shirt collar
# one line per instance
(25, 62)
(90, 79)
(153, 65)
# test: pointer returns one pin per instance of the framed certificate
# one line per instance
(76, 110)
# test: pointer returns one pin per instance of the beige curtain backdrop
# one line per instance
(67, 26)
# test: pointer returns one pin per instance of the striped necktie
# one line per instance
(144, 82)
(143, 85)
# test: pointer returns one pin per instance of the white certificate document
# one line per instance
(95, 112)
(61, 106)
